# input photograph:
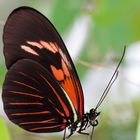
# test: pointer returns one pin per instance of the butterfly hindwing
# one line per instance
(30, 35)
(34, 100)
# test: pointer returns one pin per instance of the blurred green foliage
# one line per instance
(2, 72)
(4, 134)
(116, 23)
(64, 13)
(138, 130)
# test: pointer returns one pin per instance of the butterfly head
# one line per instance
(92, 117)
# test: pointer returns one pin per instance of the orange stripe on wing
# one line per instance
(49, 46)
(36, 44)
(48, 127)
(57, 73)
(64, 57)
(60, 100)
(54, 46)
(55, 107)
(80, 92)
(37, 122)
(28, 94)
(65, 68)
(30, 113)
(67, 84)
(29, 50)
(28, 76)
(21, 83)
(25, 103)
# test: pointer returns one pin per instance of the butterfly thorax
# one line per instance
(88, 119)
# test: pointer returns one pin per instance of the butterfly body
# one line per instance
(88, 119)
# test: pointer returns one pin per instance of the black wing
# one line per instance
(34, 100)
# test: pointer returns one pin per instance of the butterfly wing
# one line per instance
(34, 100)
(30, 35)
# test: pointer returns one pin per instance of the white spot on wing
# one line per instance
(52, 47)
(36, 44)
(29, 50)
(49, 46)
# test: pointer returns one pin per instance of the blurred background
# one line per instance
(95, 33)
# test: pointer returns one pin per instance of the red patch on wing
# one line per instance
(57, 73)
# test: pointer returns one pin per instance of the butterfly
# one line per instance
(42, 92)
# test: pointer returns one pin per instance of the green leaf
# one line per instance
(138, 130)
(4, 134)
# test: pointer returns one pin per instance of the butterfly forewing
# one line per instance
(30, 35)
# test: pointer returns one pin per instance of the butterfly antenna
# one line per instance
(112, 80)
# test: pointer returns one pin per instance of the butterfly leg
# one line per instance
(64, 137)
(84, 133)
(82, 128)
(72, 130)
